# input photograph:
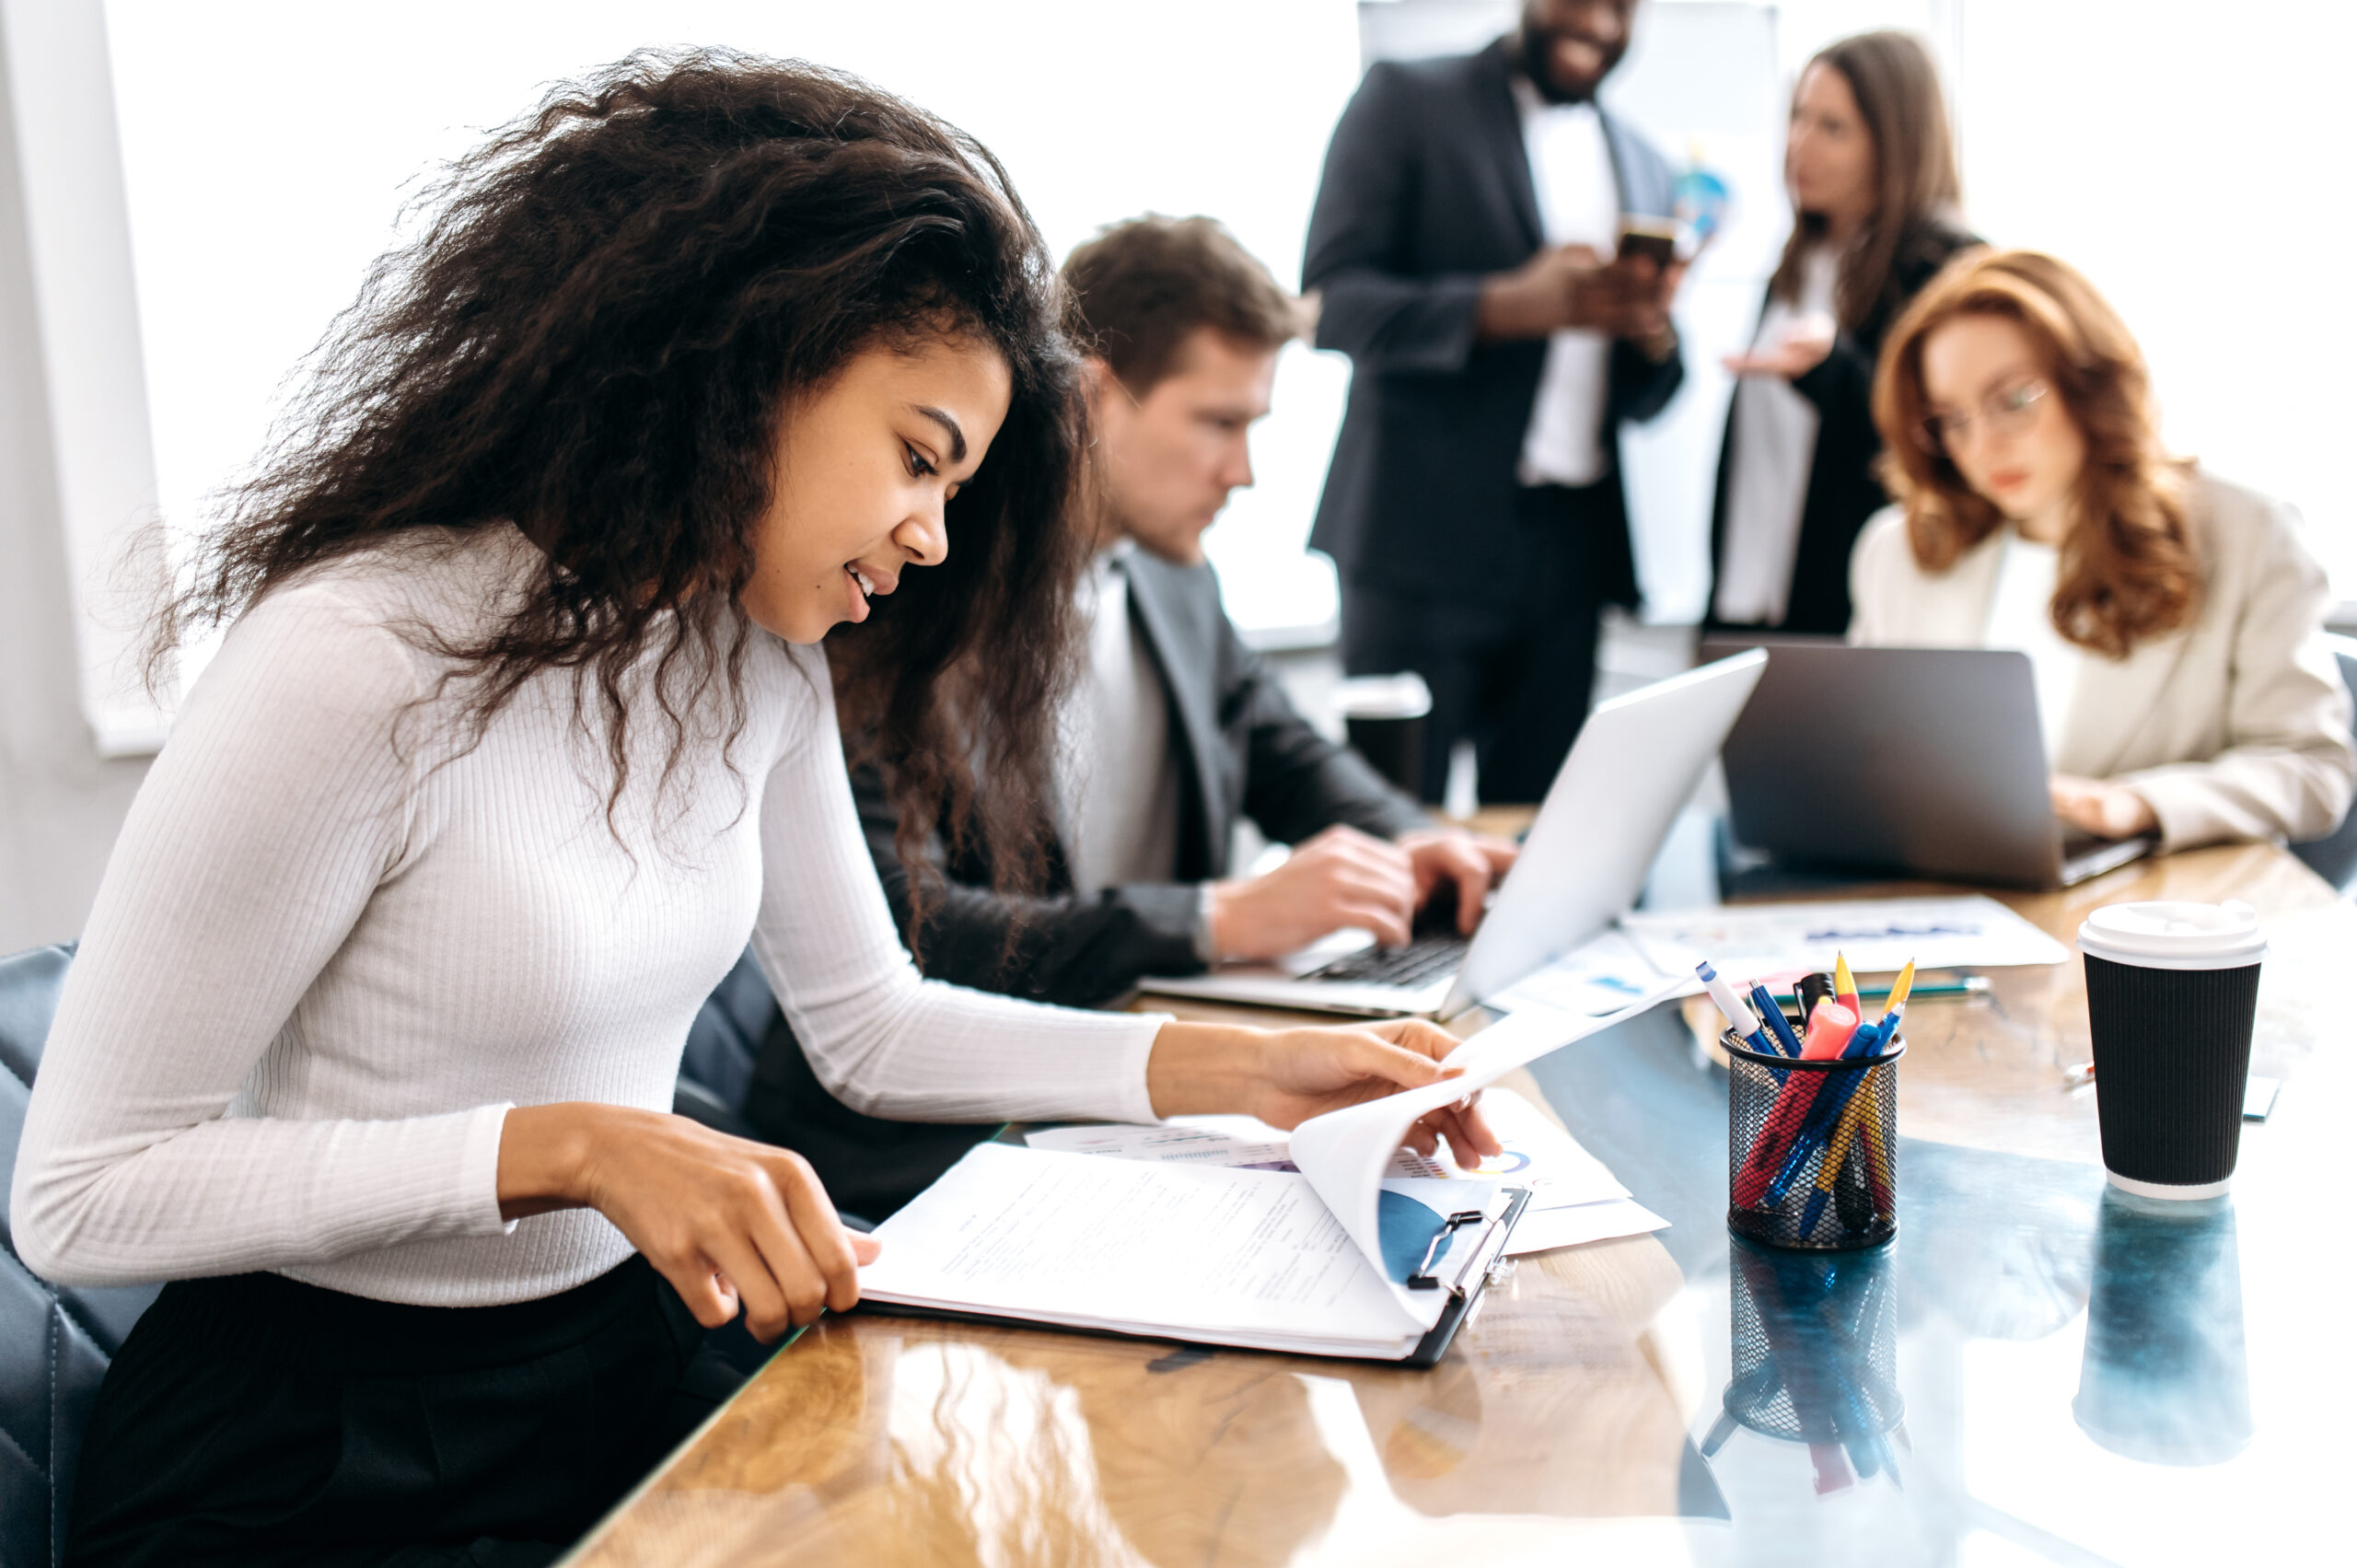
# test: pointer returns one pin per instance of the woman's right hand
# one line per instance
(732, 1224)
(2106, 810)
(1799, 352)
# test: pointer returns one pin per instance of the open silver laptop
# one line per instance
(1637, 759)
(1919, 762)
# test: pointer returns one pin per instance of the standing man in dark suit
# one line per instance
(1465, 245)
(1175, 730)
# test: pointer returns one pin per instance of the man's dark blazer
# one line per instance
(1427, 192)
(1241, 750)
(1843, 489)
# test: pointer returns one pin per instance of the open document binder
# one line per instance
(1334, 1258)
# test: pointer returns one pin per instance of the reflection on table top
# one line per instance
(2035, 1371)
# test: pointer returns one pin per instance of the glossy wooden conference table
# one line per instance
(2035, 1371)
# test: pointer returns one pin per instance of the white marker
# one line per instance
(1740, 1015)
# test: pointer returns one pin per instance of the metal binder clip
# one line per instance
(1422, 1278)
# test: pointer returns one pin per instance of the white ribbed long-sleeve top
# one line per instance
(333, 946)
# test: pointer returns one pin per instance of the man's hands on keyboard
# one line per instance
(1450, 860)
(1344, 877)
(1341, 878)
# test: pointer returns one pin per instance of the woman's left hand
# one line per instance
(2106, 810)
(1287, 1076)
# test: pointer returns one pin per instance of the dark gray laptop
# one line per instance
(1923, 761)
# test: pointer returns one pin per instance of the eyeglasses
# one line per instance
(2009, 411)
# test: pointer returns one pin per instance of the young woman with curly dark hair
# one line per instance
(2174, 622)
(519, 730)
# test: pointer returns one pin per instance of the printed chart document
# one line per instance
(1605, 974)
(1315, 1259)
(1877, 935)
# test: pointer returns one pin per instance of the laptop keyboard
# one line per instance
(1422, 959)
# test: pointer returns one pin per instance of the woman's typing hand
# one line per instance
(2106, 810)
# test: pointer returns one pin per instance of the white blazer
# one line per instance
(2236, 727)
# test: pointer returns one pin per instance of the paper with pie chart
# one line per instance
(1574, 1198)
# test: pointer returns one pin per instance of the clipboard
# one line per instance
(1487, 1261)
(1484, 1262)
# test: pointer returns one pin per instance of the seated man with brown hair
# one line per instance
(1173, 731)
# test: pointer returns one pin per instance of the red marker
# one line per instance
(1829, 1027)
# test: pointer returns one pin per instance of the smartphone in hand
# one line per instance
(1656, 239)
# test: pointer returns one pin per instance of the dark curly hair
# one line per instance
(596, 337)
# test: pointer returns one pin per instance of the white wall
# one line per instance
(2193, 162)
(268, 143)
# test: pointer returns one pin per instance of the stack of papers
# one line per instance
(1574, 1198)
(1648, 956)
(1877, 935)
(1224, 1254)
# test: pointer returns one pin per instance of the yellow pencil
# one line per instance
(1877, 1159)
(1899, 987)
(1839, 1149)
(1829, 1169)
(1877, 1152)
(1845, 987)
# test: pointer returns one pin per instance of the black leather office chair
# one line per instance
(2334, 856)
(54, 1343)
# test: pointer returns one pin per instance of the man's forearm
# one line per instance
(1073, 951)
(1515, 306)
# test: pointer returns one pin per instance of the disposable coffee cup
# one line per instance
(2172, 992)
(1385, 718)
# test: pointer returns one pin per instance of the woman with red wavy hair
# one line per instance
(2174, 622)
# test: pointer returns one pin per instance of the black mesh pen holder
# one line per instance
(1814, 1349)
(1813, 1147)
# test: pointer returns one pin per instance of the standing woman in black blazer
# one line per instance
(1871, 169)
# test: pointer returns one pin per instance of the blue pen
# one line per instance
(1869, 1041)
(1814, 1208)
(1814, 1212)
(1773, 1016)
(1825, 1111)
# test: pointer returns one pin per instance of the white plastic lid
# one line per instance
(2171, 934)
(1402, 696)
